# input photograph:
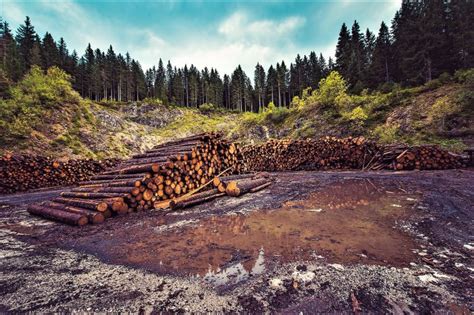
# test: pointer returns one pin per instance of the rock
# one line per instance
(305, 276)
(276, 283)
(337, 266)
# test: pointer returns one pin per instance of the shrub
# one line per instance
(152, 101)
(445, 78)
(387, 134)
(388, 87)
(207, 108)
(51, 89)
(441, 109)
(465, 76)
(433, 84)
(275, 114)
(330, 88)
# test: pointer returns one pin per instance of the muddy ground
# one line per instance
(313, 241)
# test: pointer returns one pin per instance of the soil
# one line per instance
(311, 242)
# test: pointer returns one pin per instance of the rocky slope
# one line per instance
(437, 113)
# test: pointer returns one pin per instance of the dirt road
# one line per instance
(313, 241)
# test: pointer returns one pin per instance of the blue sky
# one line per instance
(220, 34)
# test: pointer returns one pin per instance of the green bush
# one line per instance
(441, 109)
(207, 108)
(31, 99)
(387, 134)
(276, 115)
(445, 78)
(465, 76)
(48, 90)
(330, 88)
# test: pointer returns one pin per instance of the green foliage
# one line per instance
(441, 109)
(32, 100)
(358, 114)
(433, 84)
(208, 108)
(330, 88)
(387, 133)
(445, 78)
(46, 90)
(270, 114)
(388, 87)
(152, 101)
(465, 76)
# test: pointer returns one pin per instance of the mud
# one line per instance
(395, 241)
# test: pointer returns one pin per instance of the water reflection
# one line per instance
(235, 273)
(347, 222)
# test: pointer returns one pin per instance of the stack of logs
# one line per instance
(26, 172)
(428, 157)
(147, 181)
(346, 153)
(232, 185)
(310, 154)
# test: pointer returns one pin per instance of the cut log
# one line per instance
(58, 215)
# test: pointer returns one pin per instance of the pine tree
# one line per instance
(259, 79)
(316, 73)
(357, 63)
(89, 67)
(26, 38)
(160, 82)
(343, 51)
(369, 47)
(324, 67)
(10, 60)
(169, 80)
(380, 68)
(226, 95)
(271, 84)
(462, 33)
(49, 52)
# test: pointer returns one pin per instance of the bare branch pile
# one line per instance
(147, 181)
(26, 172)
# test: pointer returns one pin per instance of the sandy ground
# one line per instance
(313, 241)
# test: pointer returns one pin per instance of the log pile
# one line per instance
(149, 180)
(27, 172)
(232, 185)
(329, 153)
(427, 157)
(310, 154)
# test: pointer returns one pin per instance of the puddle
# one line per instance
(348, 222)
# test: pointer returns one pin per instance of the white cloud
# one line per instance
(238, 39)
(239, 26)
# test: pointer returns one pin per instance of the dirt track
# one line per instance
(313, 241)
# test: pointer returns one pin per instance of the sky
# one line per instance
(219, 34)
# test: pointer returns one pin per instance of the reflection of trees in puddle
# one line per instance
(346, 222)
(237, 272)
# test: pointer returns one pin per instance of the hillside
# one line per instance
(44, 115)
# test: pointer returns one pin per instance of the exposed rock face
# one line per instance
(150, 114)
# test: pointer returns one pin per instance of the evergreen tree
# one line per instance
(462, 33)
(259, 79)
(10, 60)
(271, 84)
(380, 68)
(160, 82)
(169, 80)
(357, 62)
(26, 39)
(49, 52)
(343, 51)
